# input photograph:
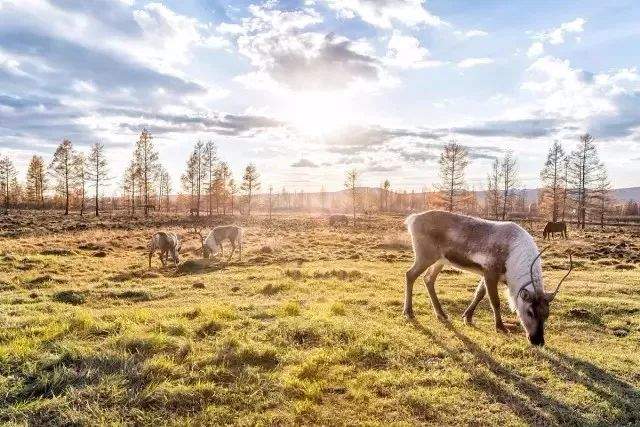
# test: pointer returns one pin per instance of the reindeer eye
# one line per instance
(530, 312)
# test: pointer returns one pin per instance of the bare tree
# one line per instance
(97, 171)
(147, 159)
(583, 174)
(233, 190)
(62, 169)
(565, 190)
(270, 200)
(250, 183)
(7, 180)
(36, 181)
(553, 184)
(453, 161)
(602, 197)
(219, 189)
(80, 178)
(131, 178)
(164, 188)
(209, 159)
(351, 184)
(386, 187)
(188, 180)
(509, 168)
(494, 193)
(223, 174)
(199, 172)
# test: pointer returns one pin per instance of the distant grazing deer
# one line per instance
(338, 219)
(498, 251)
(213, 242)
(555, 227)
(167, 243)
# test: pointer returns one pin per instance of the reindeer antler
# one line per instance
(553, 295)
(533, 263)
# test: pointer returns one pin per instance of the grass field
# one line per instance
(307, 329)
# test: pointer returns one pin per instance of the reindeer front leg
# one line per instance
(491, 283)
(481, 291)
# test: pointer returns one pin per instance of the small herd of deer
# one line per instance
(168, 244)
(499, 252)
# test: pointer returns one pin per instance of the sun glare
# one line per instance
(320, 114)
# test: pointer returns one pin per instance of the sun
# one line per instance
(319, 113)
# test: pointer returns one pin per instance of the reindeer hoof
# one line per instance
(467, 320)
(408, 314)
(442, 317)
(502, 329)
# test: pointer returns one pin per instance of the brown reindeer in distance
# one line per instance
(555, 227)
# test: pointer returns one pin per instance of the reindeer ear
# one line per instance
(526, 295)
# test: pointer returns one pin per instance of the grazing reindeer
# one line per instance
(167, 243)
(498, 251)
(213, 242)
(555, 227)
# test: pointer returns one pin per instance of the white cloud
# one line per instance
(287, 55)
(383, 13)
(557, 35)
(406, 52)
(10, 64)
(606, 104)
(153, 34)
(536, 49)
(470, 33)
(474, 62)
(83, 86)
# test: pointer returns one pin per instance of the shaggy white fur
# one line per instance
(523, 251)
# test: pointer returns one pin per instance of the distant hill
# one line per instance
(621, 194)
(335, 200)
(631, 193)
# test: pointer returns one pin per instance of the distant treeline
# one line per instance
(575, 187)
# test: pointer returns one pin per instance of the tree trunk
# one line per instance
(353, 197)
(66, 187)
(97, 192)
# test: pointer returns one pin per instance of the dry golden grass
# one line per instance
(306, 329)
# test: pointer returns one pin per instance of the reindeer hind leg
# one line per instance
(481, 291)
(411, 275)
(430, 283)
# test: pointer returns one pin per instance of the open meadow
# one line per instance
(306, 329)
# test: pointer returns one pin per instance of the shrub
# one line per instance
(70, 297)
(291, 308)
(338, 308)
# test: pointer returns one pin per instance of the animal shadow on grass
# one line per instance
(528, 401)
(620, 394)
(194, 267)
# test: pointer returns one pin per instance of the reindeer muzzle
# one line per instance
(537, 338)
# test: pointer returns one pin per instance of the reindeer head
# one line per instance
(210, 246)
(196, 229)
(533, 306)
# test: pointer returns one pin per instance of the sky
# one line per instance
(309, 89)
